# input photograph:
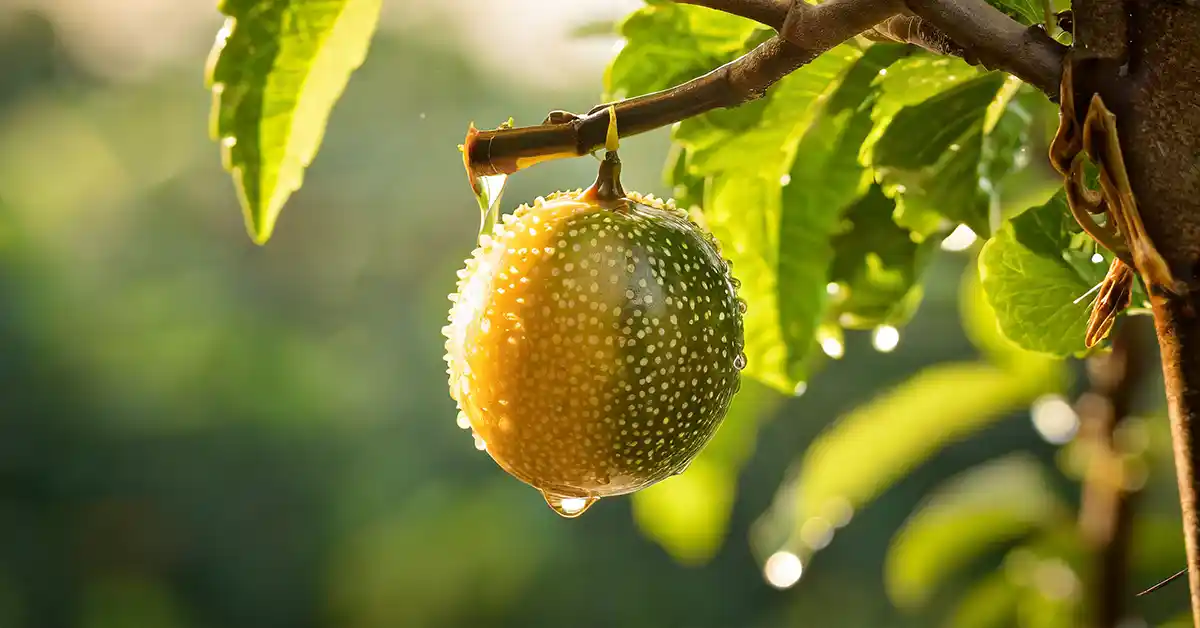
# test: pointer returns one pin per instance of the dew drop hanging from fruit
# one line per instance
(595, 342)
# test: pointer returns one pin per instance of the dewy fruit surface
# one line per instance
(595, 345)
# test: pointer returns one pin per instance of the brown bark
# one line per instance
(1149, 74)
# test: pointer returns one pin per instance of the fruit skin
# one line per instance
(595, 345)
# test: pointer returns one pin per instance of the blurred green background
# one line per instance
(199, 432)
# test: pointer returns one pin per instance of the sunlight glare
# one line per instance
(885, 339)
(1054, 419)
(960, 239)
(783, 570)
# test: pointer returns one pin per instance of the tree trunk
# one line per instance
(1153, 87)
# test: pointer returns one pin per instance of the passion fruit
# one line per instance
(595, 342)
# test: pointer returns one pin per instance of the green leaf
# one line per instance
(668, 43)
(770, 231)
(877, 266)
(276, 71)
(928, 158)
(983, 329)
(990, 603)
(688, 515)
(914, 79)
(863, 453)
(997, 502)
(825, 180)
(1034, 274)
(1025, 11)
(1014, 171)
(742, 213)
(760, 137)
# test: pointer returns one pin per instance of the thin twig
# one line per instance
(1164, 582)
(504, 151)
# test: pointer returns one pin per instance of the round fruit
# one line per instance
(595, 343)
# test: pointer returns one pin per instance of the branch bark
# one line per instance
(996, 40)
(504, 151)
(1147, 67)
(968, 28)
(971, 29)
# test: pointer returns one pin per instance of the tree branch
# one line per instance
(504, 151)
(996, 40)
(968, 28)
(767, 12)
(971, 29)
(910, 29)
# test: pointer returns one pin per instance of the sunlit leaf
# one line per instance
(917, 78)
(779, 237)
(823, 185)
(877, 265)
(743, 214)
(276, 71)
(688, 515)
(983, 329)
(928, 158)
(994, 503)
(990, 603)
(1034, 275)
(667, 43)
(760, 137)
(1014, 169)
(866, 451)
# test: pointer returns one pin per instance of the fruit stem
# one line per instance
(608, 181)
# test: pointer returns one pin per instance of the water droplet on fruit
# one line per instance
(462, 421)
(740, 361)
(569, 507)
(479, 444)
(741, 305)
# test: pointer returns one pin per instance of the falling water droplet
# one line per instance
(740, 361)
(462, 421)
(568, 507)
